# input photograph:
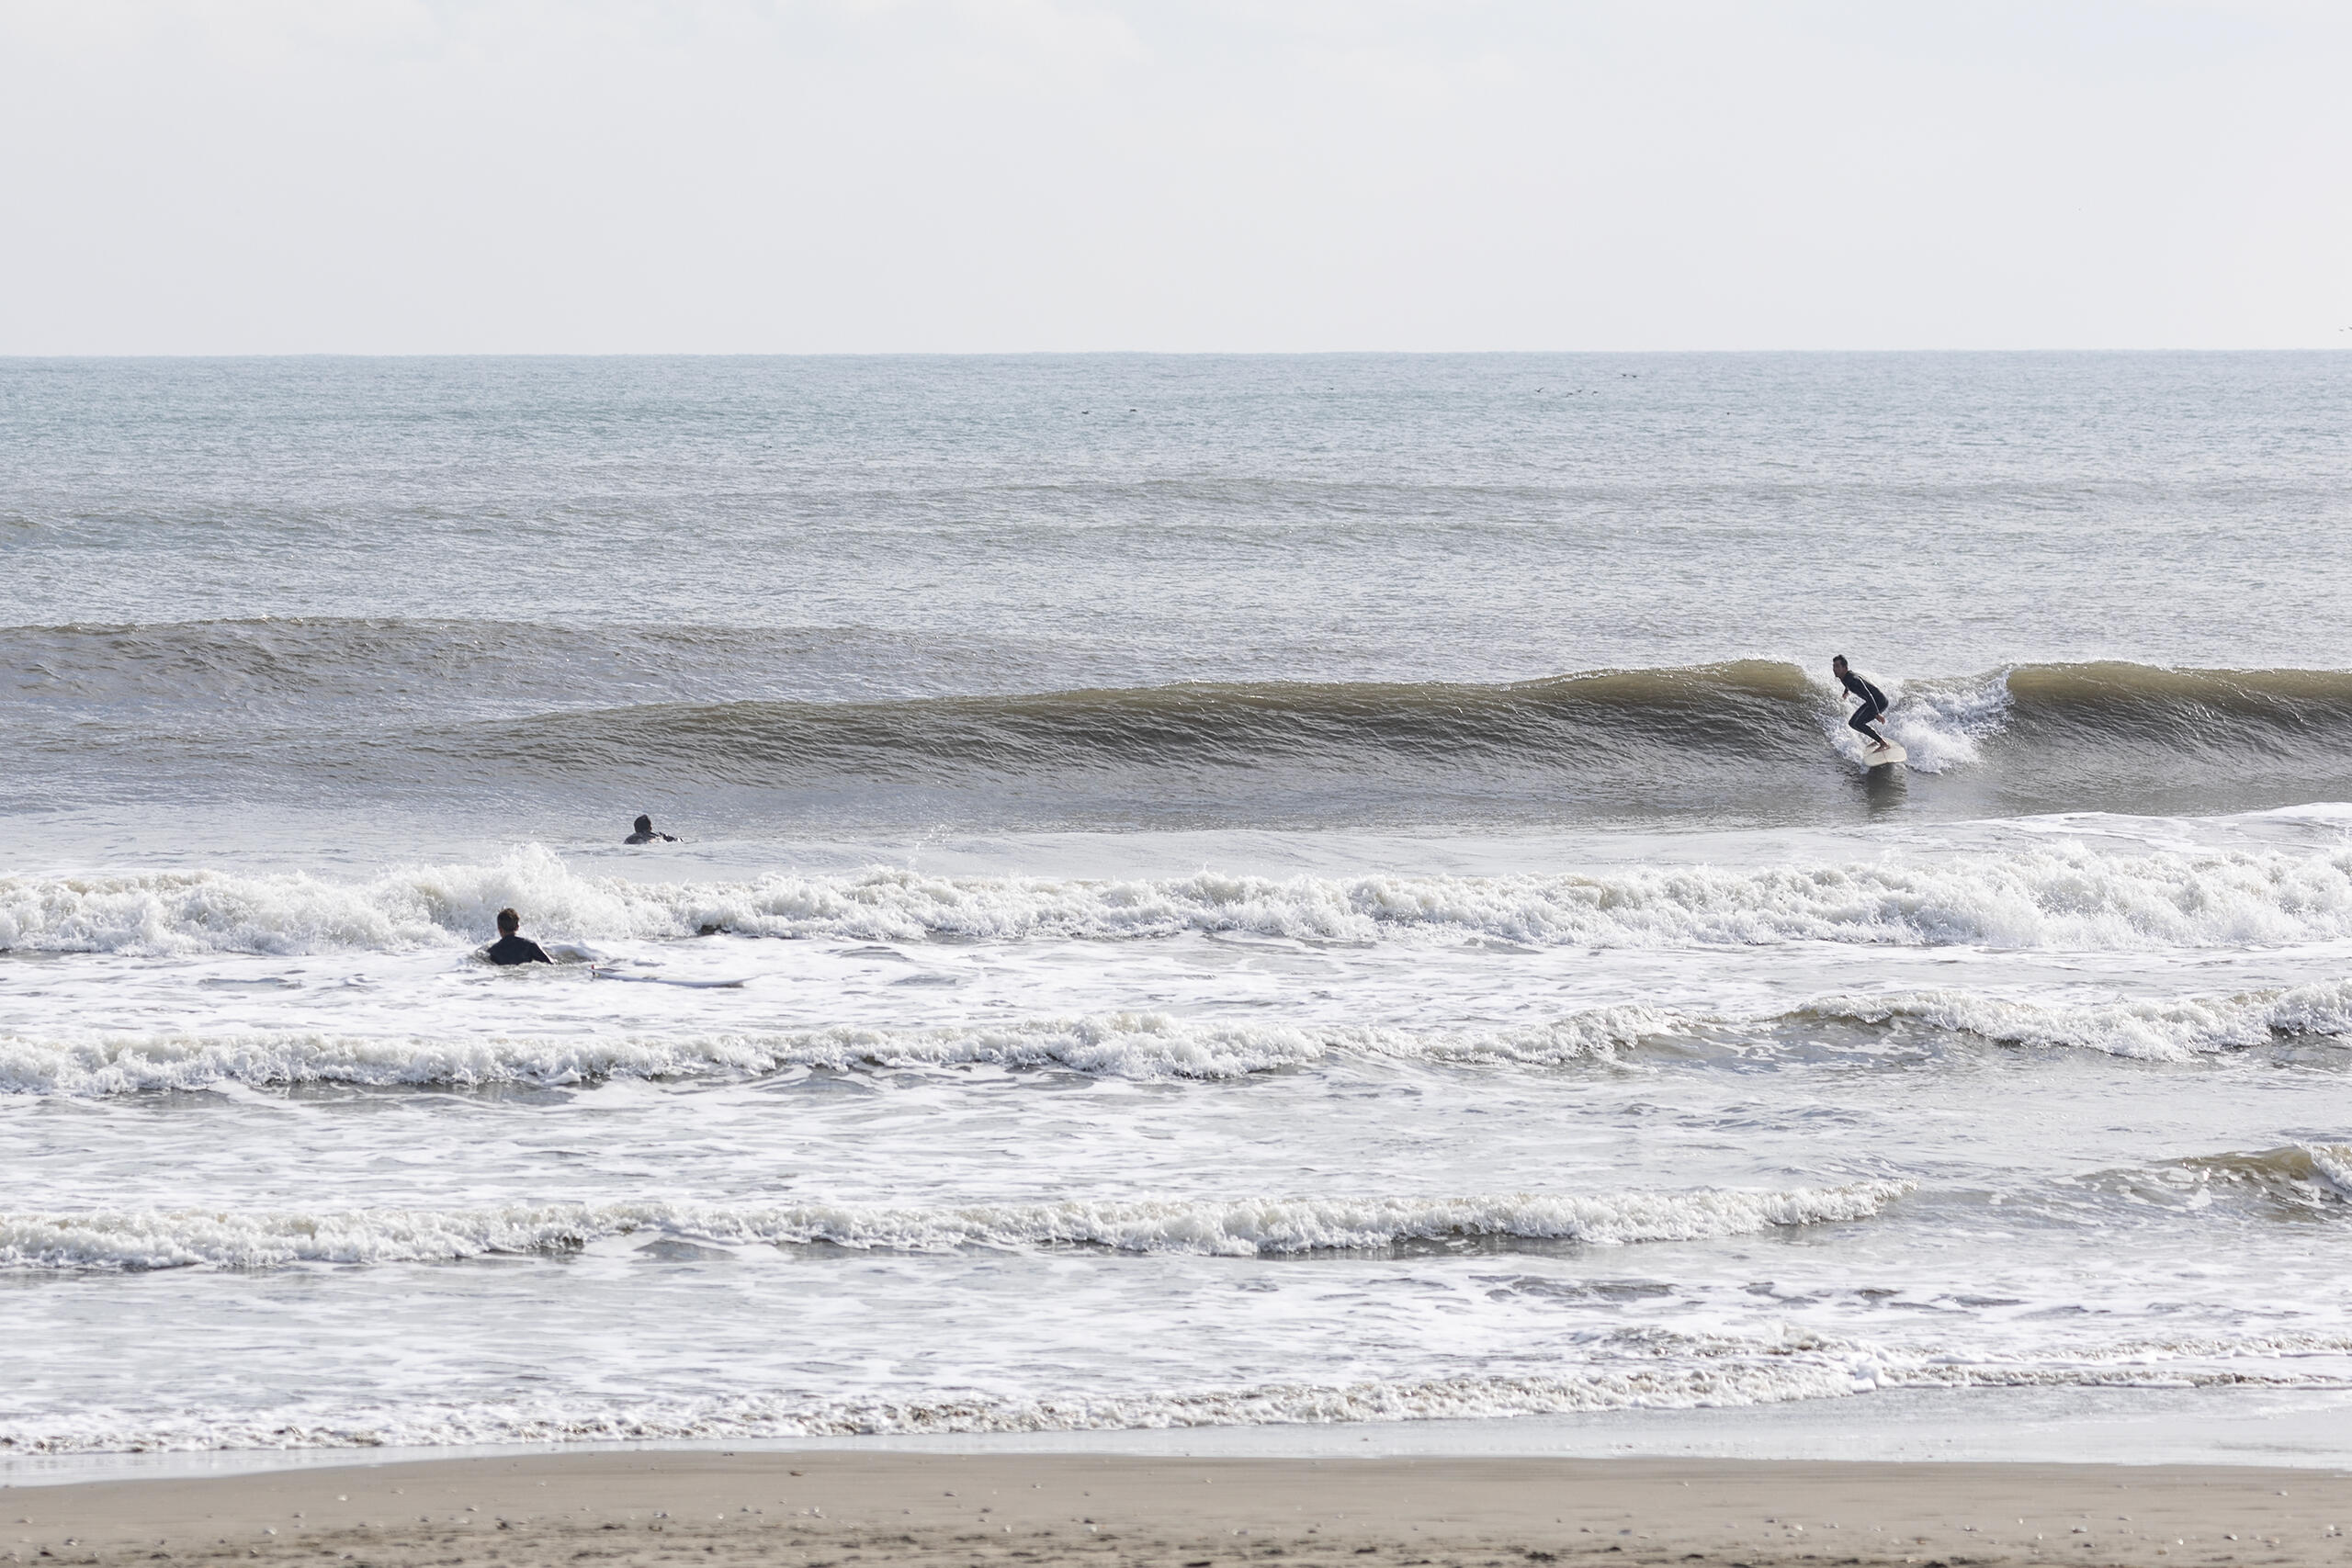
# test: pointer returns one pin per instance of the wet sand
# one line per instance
(823, 1510)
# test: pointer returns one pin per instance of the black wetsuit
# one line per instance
(513, 949)
(648, 837)
(1873, 704)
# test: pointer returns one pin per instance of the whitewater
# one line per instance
(1271, 912)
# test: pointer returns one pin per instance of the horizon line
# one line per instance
(13, 357)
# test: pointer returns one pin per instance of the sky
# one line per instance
(398, 176)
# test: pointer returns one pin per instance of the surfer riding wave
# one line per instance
(1873, 702)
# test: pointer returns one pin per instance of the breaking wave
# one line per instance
(396, 711)
(1141, 1045)
(1137, 1045)
(1650, 1370)
(1752, 711)
(2294, 1181)
(337, 670)
(2171, 1030)
(2062, 896)
(143, 1240)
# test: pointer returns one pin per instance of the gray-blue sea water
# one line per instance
(1211, 891)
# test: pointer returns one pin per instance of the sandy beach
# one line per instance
(819, 1509)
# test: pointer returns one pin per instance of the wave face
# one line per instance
(376, 673)
(2063, 896)
(432, 718)
(1752, 711)
(2299, 1179)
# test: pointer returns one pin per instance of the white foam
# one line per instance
(2064, 895)
(2173, 1029)
(2332, 1167)
(1939, 726)
(137, 1239)
(945, 1411)
(1672, 1372)
(1140, 1045)
(1148, 1045)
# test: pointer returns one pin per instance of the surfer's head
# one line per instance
(645, 824)
(1838, 664)
(509, 922)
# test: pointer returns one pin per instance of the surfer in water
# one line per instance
(646, 835)
(511, 946)
(1873, 706)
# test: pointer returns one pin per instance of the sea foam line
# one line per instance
(1142, 1046)
(2062, 896)
(1724, 1372)
(141, 1239)
(1147, 1046)
(784, 1414)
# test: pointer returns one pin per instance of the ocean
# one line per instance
(1214, 894)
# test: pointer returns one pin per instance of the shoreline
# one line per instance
(2308, 1429)
(825, 1507)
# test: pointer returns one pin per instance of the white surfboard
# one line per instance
(666, 980)
(1878, 756)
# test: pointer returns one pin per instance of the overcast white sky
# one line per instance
(818, 176)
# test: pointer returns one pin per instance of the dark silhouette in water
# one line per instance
(512, 947)
(646, 835)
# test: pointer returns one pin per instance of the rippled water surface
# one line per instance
(1208, 891)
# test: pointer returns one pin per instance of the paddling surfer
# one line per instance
(512, 946)
(644, 833)
(1873, 702)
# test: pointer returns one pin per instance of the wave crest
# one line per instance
(1133, 1044)
(115, 709)
(2164, 1030)
(141, 1239)
(2062, 896)
(2301, 1176)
